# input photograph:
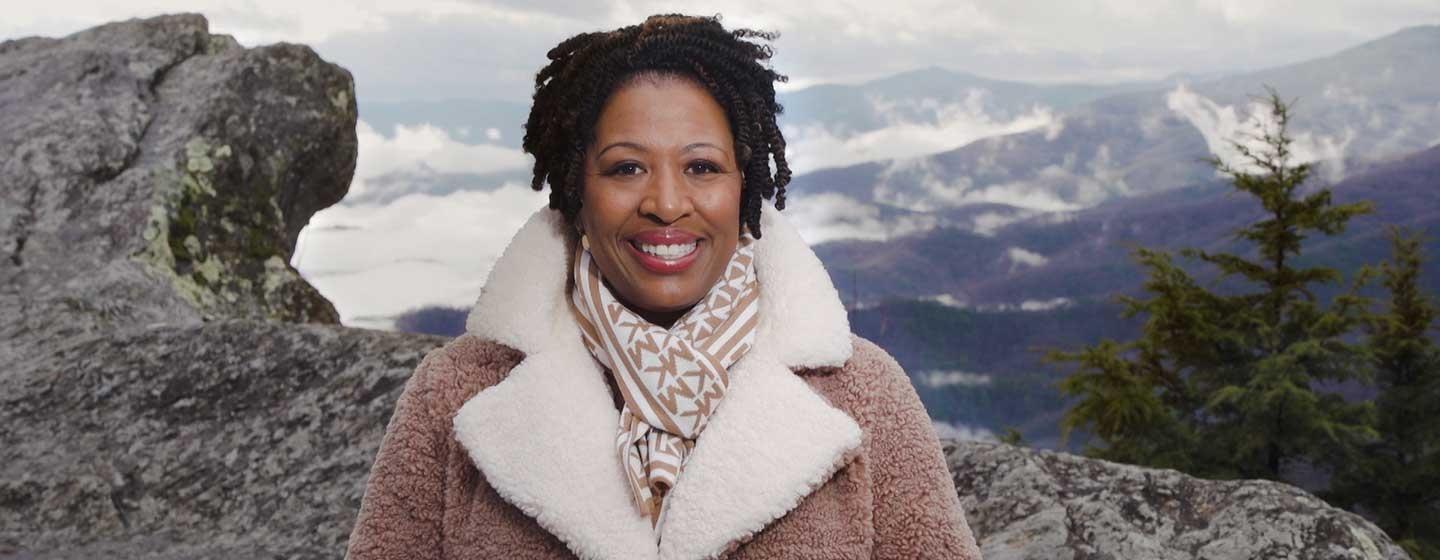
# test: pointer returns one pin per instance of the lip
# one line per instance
(666, 236)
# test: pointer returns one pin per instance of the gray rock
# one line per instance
(236, 438)
(1029, 504)
(153, 172)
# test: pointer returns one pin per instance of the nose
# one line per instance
(666, 197)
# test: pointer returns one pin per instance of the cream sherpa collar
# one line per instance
(544, 437)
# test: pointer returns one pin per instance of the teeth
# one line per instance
(667, 251)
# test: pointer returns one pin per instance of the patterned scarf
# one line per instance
(671, 380)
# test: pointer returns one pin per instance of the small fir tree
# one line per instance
(1222, 385)
(1397, 478)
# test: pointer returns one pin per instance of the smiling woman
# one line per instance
(661, 203)
(658, 366)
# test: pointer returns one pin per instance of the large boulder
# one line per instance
(162, 395)
(153, 172)
(1029, 504)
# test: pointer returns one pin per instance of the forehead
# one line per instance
(661, 110)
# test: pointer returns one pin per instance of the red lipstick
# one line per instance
(664, 236)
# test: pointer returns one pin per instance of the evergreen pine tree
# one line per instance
(1222, 385)
(1397, 478)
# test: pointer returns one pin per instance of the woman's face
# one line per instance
(661, 197)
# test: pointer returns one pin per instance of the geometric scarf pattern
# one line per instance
(671, 379)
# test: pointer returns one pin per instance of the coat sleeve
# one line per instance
(917, 511)
(400, 515)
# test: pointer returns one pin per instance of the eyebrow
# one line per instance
(638, 147)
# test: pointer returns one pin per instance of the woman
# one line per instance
(658, 366)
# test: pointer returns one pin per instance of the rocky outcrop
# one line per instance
(159, 391)
(154, 172)
(231, 439)
(1028, 504)
(162, 395)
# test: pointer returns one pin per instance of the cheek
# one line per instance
(723, 207)
(601, 213)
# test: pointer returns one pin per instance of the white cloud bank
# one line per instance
(825, 217)
(814, 147)
(919, 184)
(377, 260)
(423, 149)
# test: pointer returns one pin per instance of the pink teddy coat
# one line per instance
(502, 442)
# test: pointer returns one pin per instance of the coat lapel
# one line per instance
(544, 437)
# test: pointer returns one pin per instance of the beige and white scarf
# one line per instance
(671, 380)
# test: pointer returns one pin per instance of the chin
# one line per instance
(669, 303)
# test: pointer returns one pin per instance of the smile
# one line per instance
(669, 252)
(664, 259)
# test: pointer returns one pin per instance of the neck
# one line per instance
(662, 319)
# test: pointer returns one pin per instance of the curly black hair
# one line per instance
(586, 69)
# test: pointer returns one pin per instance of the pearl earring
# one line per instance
(584, 240)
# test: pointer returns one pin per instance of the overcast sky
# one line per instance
(431, 49)
(376, 260)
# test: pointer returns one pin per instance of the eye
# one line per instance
(624, 168)
(703, 167)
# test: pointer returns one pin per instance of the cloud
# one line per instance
(458, 56)
(1025, 305)
(947, 300)
(949, 126)
(1028, 305)
(375, 261)
(1021, 257)
(1044, 305)
(826, 217)
(268, 21)
(438, 48)
(918, 184)
(962, 432)
(988, 223)
(1054, 128)
(922, 184)
(386, 249)
(950, 378)
(408, 146)
(421, 150)
(1221, 125)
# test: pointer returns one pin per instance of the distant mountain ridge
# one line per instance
(952, 300)
(1371, 102)
(1098, 141)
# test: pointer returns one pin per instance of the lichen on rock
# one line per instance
(218, 238)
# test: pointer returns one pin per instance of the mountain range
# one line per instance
(1013, 232)
(970, 261)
